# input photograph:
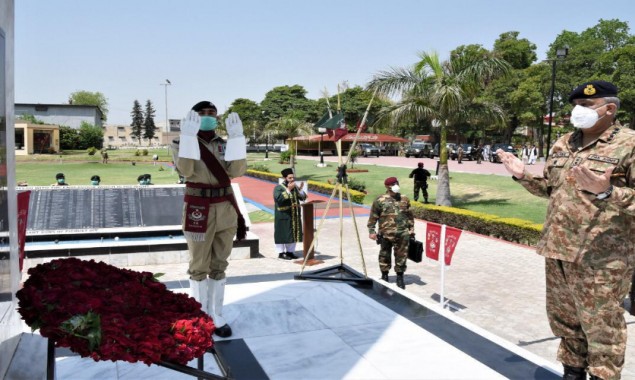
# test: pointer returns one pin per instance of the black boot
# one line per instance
(384, 276)
(400, 282)
(224, 331)
(573, 373)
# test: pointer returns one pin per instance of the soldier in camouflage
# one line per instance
(588, 239)
(396, 225)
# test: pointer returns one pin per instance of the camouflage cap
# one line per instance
(593, 89)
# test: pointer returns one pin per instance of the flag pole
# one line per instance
(442, 263)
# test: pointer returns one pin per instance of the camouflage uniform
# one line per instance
(396, 223)
(589, 246)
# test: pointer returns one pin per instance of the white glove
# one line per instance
(188, 145)
(236, 144)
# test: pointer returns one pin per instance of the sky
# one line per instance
(224, 50)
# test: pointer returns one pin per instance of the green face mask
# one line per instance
(60, 181)
(94, 183)
(208, 123)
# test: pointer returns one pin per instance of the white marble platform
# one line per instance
(305, 330)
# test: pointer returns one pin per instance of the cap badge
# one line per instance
(589, 90)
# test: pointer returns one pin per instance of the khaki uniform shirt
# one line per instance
(197, 171)
(579, 227)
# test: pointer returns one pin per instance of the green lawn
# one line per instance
(491, 194)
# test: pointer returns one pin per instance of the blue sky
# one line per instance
(223, 50)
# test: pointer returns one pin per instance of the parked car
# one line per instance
(419, 150)
(449, 146)
(506, 147)
(469, 152)
(368, 150)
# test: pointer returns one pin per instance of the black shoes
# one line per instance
(573, 373)
(400, 282)
(224, 331)
(286, 256)
(384, 276)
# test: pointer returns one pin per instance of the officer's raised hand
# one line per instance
(512, 163)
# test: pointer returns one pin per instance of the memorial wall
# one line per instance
(73, 210)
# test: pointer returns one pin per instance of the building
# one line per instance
(36, 138)
(69, 115)
(120, 136)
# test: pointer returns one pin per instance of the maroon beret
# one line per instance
(391, 181)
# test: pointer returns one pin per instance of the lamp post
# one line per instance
(560, 55)
(322, 132)
(167, 122)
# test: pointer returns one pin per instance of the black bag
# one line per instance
(415, 250)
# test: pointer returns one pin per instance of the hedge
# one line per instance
(318, 187)
(510, 229)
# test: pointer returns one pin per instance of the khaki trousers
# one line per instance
(209, 257)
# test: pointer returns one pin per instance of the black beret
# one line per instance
(593, 89)
(95, 178)
(59, 175)
(202, 105)
(286, 172)
(141, 177)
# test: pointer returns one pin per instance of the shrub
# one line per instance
(318, 187)
(144, 152)
(91, 151)
(137, 153)
(356, 184)
(260, 167)
(285, 157)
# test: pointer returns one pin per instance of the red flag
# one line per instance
(452, 236)
(23, 213)
(433, 240)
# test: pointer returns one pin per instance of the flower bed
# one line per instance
(108, 313)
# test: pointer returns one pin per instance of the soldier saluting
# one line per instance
(588, 239)
(396, 225)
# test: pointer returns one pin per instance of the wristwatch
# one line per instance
(605, 194)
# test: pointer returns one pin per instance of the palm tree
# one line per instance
(291, 125)
(444, 94)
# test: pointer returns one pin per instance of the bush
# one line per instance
(510, 229)
(91, 151)
(285, 157)
(356, 184)
(318, 187)
(260, 168)
(137, 153)
(144, 152)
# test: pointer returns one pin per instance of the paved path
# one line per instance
(495, 284)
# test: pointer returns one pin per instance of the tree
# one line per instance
(90, 136)
(137, 121)
(251, 115)
(441, 92)
(149, 129)
(286, 99)
(520, 54)
(90, 99)
(290, 126)
(69, 138)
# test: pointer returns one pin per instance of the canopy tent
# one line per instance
(313, 143)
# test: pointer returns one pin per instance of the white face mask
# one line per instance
(584, 117)
(394, 188)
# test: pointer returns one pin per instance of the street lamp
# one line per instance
(560, 55)
(322, 132)
(167, 123)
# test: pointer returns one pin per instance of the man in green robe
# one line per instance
(287, 222)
